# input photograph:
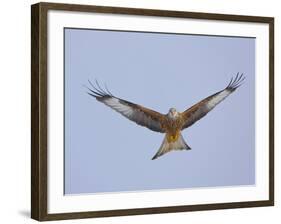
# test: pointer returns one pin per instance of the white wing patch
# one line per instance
(135, 115)
(218, 98)
(117, 106)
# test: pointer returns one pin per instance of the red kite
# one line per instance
(171, 123)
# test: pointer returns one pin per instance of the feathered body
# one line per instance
(172, 127)
(171, 123)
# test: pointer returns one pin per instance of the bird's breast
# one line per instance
(173, 127)
(173, 124)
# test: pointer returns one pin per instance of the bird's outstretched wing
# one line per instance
(199, 110)
(139, 114)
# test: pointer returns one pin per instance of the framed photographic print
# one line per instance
(141, 111)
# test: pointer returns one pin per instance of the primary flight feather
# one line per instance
(171, 123)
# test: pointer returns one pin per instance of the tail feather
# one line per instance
(165, 147)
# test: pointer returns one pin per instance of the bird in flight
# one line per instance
(172, 123)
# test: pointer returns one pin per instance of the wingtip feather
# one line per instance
(97, 91)
(236, 82)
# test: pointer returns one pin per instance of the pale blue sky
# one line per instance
(105, 152)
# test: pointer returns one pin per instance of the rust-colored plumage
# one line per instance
(171, 123)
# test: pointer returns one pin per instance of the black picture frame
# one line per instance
(39, 106)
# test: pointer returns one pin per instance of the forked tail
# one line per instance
(166, 146)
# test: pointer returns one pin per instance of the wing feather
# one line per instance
(134, 112)
(199, 110)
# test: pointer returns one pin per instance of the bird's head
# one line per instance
(173, 113)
